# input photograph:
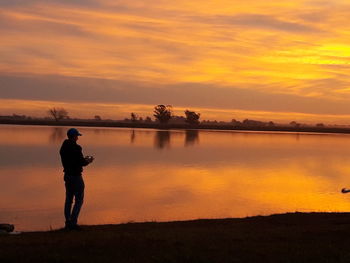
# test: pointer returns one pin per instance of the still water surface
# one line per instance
(147, 175)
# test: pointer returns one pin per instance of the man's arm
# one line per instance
(82, 160)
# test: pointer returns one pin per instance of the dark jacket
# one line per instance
(72, 158)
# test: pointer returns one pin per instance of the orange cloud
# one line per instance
(287, 47)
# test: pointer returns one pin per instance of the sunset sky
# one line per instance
(268, 60)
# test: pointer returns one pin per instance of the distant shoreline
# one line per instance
(153, 125)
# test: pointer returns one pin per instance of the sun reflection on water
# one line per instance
(162, 175)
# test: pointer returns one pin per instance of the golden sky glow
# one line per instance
(272, 57)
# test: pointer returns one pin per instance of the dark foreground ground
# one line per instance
(297, 237)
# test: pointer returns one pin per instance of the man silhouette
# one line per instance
(73, 161)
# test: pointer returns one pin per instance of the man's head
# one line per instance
(73, 134)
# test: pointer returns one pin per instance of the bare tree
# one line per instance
(134, 117)
(192, 117)
(97, 118)
(58, 113)
(163, 113)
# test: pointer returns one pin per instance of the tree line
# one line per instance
(162, 113)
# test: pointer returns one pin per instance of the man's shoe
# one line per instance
(76, 228)
(68, 226)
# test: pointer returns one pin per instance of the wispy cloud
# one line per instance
(57, 88)
(258, 21)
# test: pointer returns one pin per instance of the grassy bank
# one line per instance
(297, 237)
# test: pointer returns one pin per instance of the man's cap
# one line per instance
(73, 132)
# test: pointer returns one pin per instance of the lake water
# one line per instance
(150, 175)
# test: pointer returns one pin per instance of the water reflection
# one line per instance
(57, 134)
(97, 131)
(226, 174)
(162, 139)
(132, 136)
(192, 137)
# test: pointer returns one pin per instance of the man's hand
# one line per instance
(89, 159)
